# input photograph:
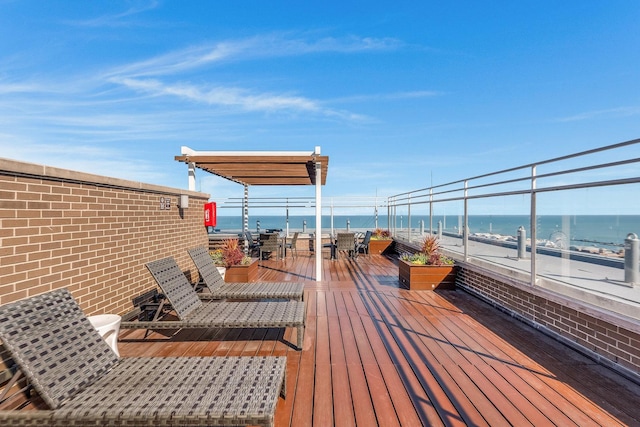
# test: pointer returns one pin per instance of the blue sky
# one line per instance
(398, 94)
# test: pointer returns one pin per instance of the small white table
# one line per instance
(108, 326)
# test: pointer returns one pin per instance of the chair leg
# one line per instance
(300, 336)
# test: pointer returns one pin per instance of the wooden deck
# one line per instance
(375, 354)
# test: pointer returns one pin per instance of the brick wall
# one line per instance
(609, 339)
(90, 234)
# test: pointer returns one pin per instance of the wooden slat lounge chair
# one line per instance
(219, 289)
(84, 383)
(194, 313)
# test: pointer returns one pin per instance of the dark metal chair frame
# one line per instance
(364, 244)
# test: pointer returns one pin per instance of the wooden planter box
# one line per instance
(426, 277)
(377, 247)
(242, 273)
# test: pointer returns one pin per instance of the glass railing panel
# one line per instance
(581, 244)
(494, 231)
(448, 221)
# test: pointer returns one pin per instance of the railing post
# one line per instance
(422, 227)
(348, 225)
(465, 230)
(522, 243)
(332, 228)
(304, 226)
(258, 226)
(440, 230)
(389, 215)
(431, 210)
(375, 216)
(631, 259)
(409, 220)
(534, 228)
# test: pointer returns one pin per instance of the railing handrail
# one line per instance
(467, 189)
(529, 166)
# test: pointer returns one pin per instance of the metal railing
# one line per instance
(357, 213)
(588, 184)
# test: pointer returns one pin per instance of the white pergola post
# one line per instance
(245, 209)
(318, 242)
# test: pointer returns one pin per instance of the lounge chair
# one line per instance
(195, 313)
(219, 289)
(84, 383)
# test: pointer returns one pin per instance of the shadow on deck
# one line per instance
(375, 354)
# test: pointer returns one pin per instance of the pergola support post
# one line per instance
(318, 242)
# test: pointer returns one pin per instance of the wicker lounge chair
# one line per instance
(219, 289)
(193, 313)
(84, 383)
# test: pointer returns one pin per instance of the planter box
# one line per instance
(242, 273)
(426, 277)
(377, 247)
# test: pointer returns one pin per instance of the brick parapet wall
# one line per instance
(90, 234)
(610, 339)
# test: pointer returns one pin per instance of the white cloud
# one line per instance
(390, 96)
(137, 76)
(612, 112)
(264, 46)
(117, 19)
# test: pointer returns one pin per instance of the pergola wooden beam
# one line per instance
(265, 168)
(260, 168)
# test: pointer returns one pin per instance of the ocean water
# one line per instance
(578, 230)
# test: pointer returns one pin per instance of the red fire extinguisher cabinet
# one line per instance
(210, 214)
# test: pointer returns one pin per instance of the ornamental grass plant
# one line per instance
(230, 254)
(429, 253)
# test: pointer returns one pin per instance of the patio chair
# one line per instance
(292, 245)
(253, 246)
(364, 245)
(269, 243)
(346, 242)
(219, 289)
(193, 313)
(83, 383)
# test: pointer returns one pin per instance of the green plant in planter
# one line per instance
(218, 257)
(230, 254)
(429, 253)
(380, 234)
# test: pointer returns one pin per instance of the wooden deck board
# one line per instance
(375, 354)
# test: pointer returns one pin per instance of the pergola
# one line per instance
(265, 168)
